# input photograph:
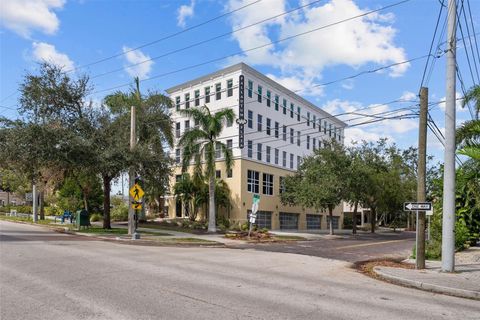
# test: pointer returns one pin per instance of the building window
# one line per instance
(207, 94)
(334, 132)
(291, 160)
(197, 98)
(177, 156)
(281, 185)
(250, 148)
(218, 91)
(229, 173)
(218, 151)
(187, 125)
(218, 174)
(259, 122)
(259, 94)
(298, 138)
(284, 133)
(196, 123)
(299, 112)
(177, 103)
(292, 135)
(229, 88)
(324, 127)
(253, 181)
(268, 153)
(267, 184)
(276, 155)
(320, 125)
(177, 130)
(308, 142)
(340, 135)
(250, 89)
(187, 100)
(250, 119)
(284, 106)
(259, 151)
(269, 98)
(269, 125)
(308, 119)
(292, 108)
(330, 130)
(276, 102)
(229, 144)
(284, 159)
(314, 121)
(277, 126)
(299, 161)
(229, 123)
(314, 144)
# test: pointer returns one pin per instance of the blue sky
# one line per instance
(75, 33)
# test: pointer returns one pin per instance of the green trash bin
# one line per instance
(82, 219)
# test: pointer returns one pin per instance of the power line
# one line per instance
(473, 29)
(470, 41)
(258, 47)
(165, 37)
(206, 40)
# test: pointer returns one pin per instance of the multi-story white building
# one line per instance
(281, 128)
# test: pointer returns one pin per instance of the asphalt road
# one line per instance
(44, 275)
(364, 246)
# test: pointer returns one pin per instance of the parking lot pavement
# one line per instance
(347, 248)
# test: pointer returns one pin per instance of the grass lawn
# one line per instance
(188, 240)
(24, 219)
(172, 227)
(291, 238)
(114, 231)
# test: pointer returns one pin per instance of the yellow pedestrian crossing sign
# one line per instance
(136, 192)
(137, 205)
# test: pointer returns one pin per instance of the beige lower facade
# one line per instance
(271, 213)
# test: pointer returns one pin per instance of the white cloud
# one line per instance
(136, 56)
(24, 16)
(184, 12)
(353, 43)
(409, 96)
(299, 85)
(46, 52)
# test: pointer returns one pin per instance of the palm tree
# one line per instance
(204, 140)
(468, 135)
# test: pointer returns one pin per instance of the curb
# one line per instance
(462, 293)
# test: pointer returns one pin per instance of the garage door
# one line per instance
(335, 222)
(314, 221)
(288, 221)
(264, 219)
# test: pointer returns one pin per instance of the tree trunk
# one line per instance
(8, 198)
(85, 201)
(42, 204)
(211, 205)
(106, 202)
(330, 214)
(354, 218)
(373, 219)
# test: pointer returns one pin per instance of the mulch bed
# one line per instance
(366, 267)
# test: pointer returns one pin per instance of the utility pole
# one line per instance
(131, 175)
(421, 178)
(448, 223)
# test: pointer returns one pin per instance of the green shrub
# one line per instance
(53, 211)
(96, 217)
(221, 220)
(462, 235)
(244, 227)
(119, 212)
(347, 223)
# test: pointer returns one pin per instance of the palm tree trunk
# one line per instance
(211, 204)
(42, 204)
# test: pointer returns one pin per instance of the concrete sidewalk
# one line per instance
(464, 282)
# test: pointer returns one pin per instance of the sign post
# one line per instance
(137, 194)
(241, 112)
(253, 215)
(418, 206)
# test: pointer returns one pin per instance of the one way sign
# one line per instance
(414, 206)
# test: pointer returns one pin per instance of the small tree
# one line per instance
(320, 181)
(204, 140)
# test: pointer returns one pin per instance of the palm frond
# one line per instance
(473, 95)
(468, 133)
(471, 151)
